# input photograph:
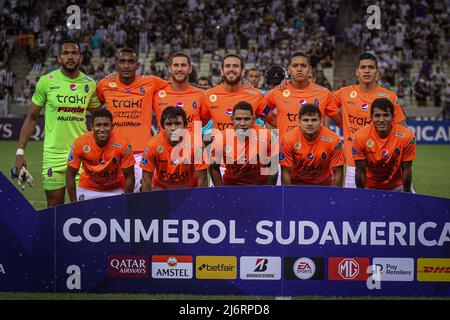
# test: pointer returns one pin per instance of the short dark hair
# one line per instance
(100, 113)
(243, 105)
(172, 112)
(69, 41)
(232, 55)
(179, 54)
(247, 71)
(204, 78)
(382, 104)
(368, 56)
(299, 54)
(309, 109)
(127, 50)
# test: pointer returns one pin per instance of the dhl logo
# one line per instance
(433, 270)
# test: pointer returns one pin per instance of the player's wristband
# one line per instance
(20, 152)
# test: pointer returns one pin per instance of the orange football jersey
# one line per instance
(312, 162)
(131, 107)
(384, 157)
(355, 105)
(286, 104)
(102, 166)
(171, 173)
(217, 104)
(189, 100)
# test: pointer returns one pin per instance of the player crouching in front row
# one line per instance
(106, 158)
(161, 169)
(311, 154)
(383, 151)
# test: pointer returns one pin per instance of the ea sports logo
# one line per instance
(179, 105)
(384, 153)
(310, 156)
(304, 268)
(229, 112)
(73, 87)
(348, 268)
(302, 102)
(172, 261)
(364, 106)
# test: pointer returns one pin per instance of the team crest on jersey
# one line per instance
(86, 88)
(142, 90)
(324, 155)
(364, 106)
(302, 102)
(227, 149)
(49, 172)
(213, 98)
(179, 105)
(370, 143)
(353, 94)
(112, 85)
(194, 105)
(310, 156)
(144, 161)
(73, 86)
(162, 94)
(286, 93)
(229, 112)
(297, 145)
(384, 153)
(160, 149)
(86, 149)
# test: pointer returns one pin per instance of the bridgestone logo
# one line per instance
(260, 275)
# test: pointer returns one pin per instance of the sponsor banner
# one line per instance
(395, 269)
(304, 268)
(292, 232)
(216, 267)
(426, 132)
(354, 269)
(128, 267)
(260, 268)
(433, 270)
(172, 267)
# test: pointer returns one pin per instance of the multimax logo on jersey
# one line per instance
(216, 267)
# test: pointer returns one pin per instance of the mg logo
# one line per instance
(348, 268)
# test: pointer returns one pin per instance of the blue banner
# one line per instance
(276, 241)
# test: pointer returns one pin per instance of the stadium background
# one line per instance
(412, 47)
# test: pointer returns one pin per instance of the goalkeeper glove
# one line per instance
(24, 177)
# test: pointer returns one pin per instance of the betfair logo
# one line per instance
(433, 270)
(216, 267)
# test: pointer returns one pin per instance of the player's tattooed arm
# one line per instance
(146, 181)
(407, 175)
(202, 178)
(71, 173)
(216, 177)
(286, 176)
(360, 175)
(338, 176)
(128, 173)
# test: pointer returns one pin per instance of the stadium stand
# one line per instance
(413, 58)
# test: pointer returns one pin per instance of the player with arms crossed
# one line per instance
(164, 170)
(107, 160)
(248, 152)
(383, 151)
(65, 94)
(355, 102)
(129, 97)
(311, 154)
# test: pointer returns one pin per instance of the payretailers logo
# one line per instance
(433, 270)
(216, 267)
